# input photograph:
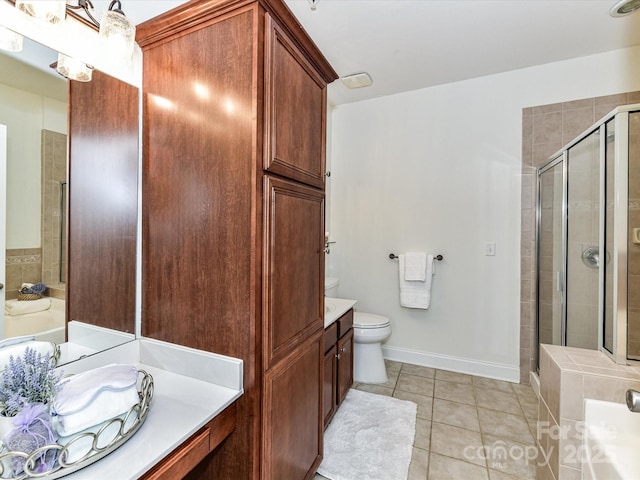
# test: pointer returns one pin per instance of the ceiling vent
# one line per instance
(357, 80)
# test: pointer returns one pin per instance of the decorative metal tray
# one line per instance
(84, 448)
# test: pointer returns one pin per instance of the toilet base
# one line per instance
(368, 363)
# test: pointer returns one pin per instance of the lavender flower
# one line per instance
(29, 379)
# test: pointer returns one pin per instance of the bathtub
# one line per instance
(48, 325)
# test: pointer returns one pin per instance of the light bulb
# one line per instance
(120, 34)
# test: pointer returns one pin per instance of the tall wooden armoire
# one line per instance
(233, 217)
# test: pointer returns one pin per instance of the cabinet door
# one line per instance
(292, 414)
(293, 266)
(295, 108)
(329, 394)
(345, 365)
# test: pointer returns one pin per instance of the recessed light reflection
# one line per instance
(201, 91)
(162, 102)
(229, 106)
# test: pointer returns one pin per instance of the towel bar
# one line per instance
(393, 256)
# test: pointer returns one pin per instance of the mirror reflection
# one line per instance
(34, 106)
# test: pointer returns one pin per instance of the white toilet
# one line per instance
(369, 331)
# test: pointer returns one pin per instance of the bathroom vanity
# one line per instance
(192, 411)
(338, 354)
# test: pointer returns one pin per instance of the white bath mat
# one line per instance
(369, 438)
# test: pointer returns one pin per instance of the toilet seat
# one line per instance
(369, 320)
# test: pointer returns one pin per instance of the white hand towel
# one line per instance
(415, 294)
(15, 308)
(415, 266)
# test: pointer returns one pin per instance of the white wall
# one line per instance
(25, 114)
(439, 169)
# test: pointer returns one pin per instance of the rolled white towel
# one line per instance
(94, 396)
(15, 308)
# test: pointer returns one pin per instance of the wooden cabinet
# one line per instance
(295, 111)
(338, 364)
(293, 267)
(184, 458)
(233, 217)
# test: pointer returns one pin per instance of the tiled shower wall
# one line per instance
(54, 172)
(23, 265)
(545, 130)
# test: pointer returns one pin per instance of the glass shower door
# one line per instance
(583, 243)
(550, 255)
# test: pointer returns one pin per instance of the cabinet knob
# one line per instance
(338, 356)
(343, 349)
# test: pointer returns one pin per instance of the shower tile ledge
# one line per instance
(191, 387)
(569, 376)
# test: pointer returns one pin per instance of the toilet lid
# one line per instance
(369, 320)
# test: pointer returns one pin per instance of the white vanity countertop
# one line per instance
(334, 308)
(190, 388)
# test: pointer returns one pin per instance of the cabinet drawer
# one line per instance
(330, 336)
(182, 461)
(184, 458)
(345, 323)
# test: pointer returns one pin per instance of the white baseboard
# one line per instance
(455, 364)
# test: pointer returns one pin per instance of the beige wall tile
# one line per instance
(572, 395)
(608, 389)
(550, 108)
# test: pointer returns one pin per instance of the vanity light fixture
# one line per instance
(114, 27)
(117, 31)
(52, 11)
(9, 40)
(73, 69)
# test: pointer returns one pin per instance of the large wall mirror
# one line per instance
(71, 149)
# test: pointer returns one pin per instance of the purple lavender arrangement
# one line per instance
(29, 379)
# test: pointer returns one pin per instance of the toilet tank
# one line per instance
(331, 286)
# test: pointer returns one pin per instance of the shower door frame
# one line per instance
(555, 160)
(619, 255)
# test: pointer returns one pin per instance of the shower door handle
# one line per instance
(559, 283)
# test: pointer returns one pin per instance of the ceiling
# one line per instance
(410, 44)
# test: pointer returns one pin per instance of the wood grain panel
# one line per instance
(329, 384)
(293, 416)
(294, 265)
(201, 197)
(330, 336)
(345, 365)
(295, 101)
(103, 202)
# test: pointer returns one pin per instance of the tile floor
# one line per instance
(467, 427)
